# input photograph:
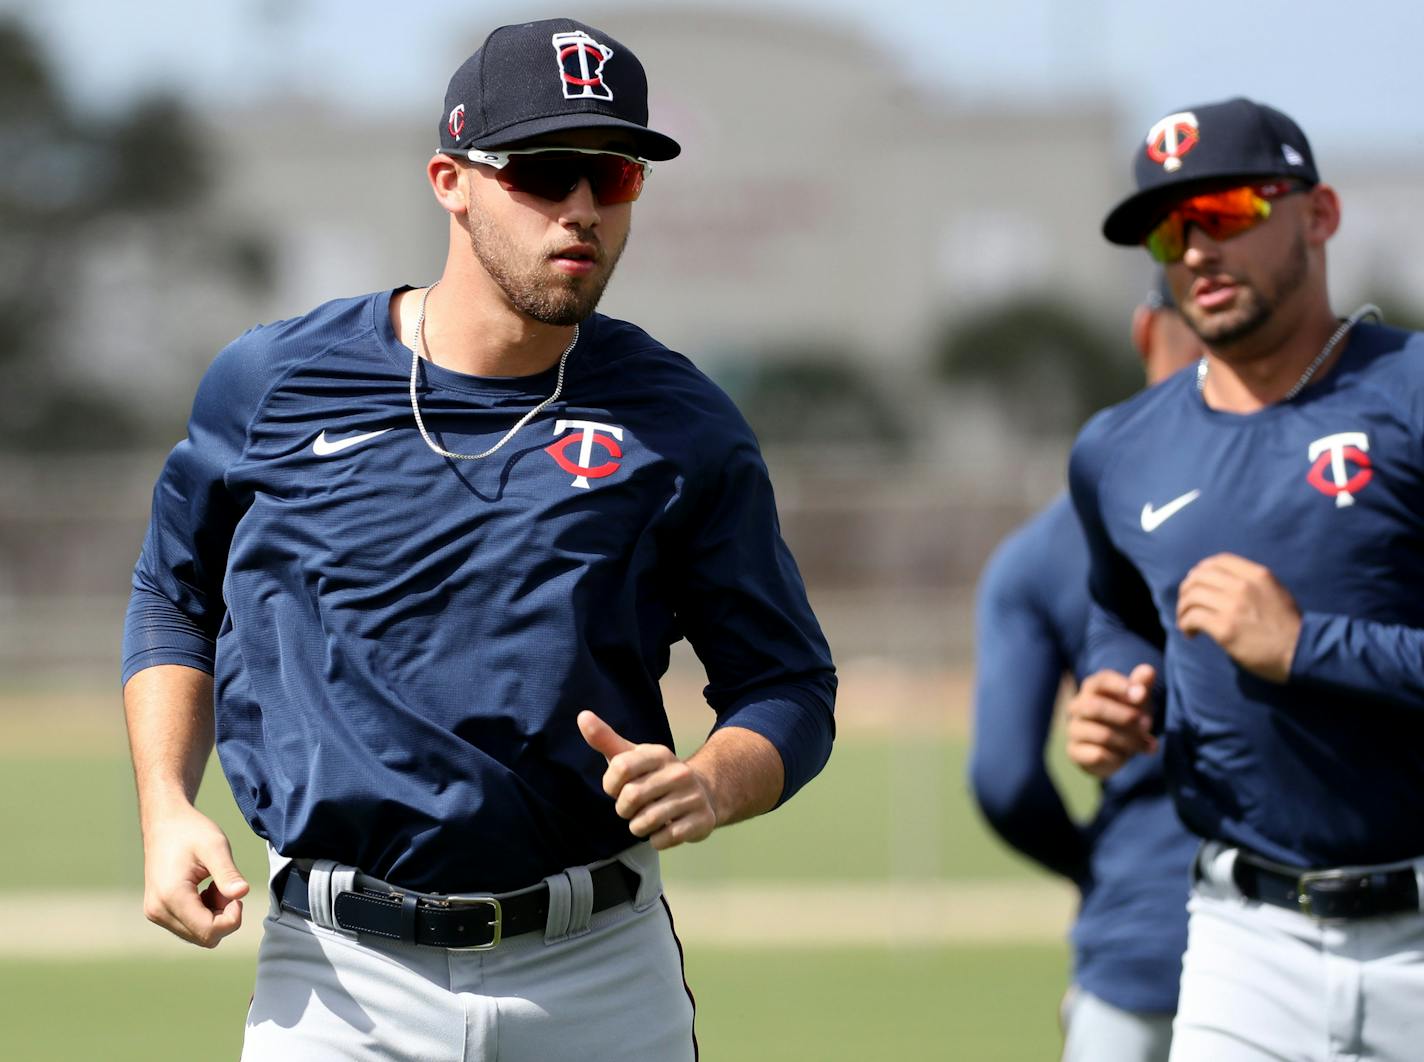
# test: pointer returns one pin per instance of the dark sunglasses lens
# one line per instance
(613, 178)
(546, 176)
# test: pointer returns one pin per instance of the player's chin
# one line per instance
(567, 300)
(1231, 323)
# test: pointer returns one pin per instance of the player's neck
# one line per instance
(470, 327)
(1261, 369)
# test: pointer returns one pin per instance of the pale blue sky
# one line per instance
(1349, 72)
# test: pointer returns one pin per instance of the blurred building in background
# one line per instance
(907, 295)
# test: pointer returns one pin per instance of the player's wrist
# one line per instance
(161, 806)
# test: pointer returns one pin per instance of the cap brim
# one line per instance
(1130, 221)
(645, 142)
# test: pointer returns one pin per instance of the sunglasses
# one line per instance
(1221, 215)
(553, 173)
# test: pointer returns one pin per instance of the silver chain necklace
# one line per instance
(415, 345)
(1369, 309)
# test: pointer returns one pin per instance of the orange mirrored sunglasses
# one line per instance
(1221, 215)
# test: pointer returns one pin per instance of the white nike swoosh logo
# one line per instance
(1152, 518)
(325, 448)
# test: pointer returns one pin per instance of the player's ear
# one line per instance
(449, 182)
(1324, 214)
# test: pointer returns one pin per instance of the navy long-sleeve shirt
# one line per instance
(1327, 491)
(401, 643)
(1130, 862)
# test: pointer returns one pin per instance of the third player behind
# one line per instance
(1130, 862)
(1267, 512)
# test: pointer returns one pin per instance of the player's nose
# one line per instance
(1201, 249)
(580, 207)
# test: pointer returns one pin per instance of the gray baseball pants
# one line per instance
(605, 987)
(1260, 982)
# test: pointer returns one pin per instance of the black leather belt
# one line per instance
(1349, 892)
(469, 922)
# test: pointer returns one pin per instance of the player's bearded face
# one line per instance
(527, 276)
(1255, 302)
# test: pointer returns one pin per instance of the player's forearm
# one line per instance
(169, 711)
(1018, 668)
(743, 773)
(1115, 645)
(1026, 811)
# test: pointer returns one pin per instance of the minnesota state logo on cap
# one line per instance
(581, 61)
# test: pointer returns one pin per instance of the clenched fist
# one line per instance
(1110, 720)
(1245, 610)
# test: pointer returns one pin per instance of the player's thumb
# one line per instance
(217, 857)
(601, 736)
(1139, 683)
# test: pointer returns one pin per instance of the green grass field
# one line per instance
(822, 1004)
(976, 1004)
(884, 810)
(881, 810)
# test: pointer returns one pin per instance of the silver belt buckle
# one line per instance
(1308, 877)
(462, 901)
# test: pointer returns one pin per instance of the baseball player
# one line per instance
(418, 565)
(1267, 513)
(1130, 862)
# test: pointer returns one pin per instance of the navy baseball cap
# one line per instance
(545, 77)
(1238, 139)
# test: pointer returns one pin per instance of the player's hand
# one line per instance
(1242, 607)
(1110, 720)
(663, 798)
(181, 850)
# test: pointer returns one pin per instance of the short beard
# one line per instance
(1257, 307)
(553, 300)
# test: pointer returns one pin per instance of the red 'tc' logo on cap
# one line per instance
(456, 124)
(1171, 138)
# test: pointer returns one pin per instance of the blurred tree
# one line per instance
(808, 398)
(1049, 365)
(64, 174)
(156, 159)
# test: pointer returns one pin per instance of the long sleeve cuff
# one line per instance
(157, 632)
(799, 722)
(1378, 660)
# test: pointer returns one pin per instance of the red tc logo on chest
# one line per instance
(1340, 466)
(590, 433)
